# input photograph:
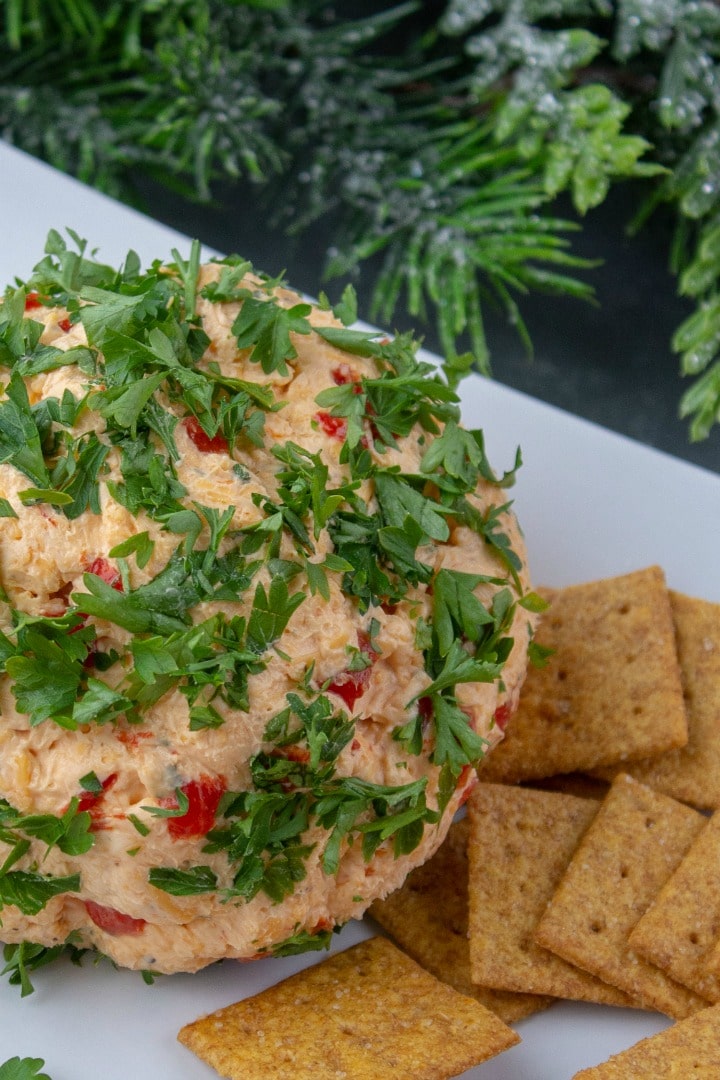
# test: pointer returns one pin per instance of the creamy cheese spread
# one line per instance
(264, 606)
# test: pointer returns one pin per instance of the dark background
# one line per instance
(610, 362)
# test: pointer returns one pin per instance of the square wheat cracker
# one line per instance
(692, 773)
(368, 1013)
(611, 690)
(687, 1050)
(679, 931)
(519, 845)
(629, 852)
(428, 918)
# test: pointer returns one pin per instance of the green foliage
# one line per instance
(437, 136)
(23, 1069)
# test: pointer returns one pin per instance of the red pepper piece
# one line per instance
(103, 569)
(92, 801)
(217, 444)
(334, 426)
(203, 797)
(132, 738)
(502, 714)
(65, 325)
(351, 685)
(112, 921)
(32, 301)
(467, 779)
(344, 374)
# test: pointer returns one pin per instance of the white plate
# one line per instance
(591, 503)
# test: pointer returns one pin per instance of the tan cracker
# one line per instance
(428, 919)
(367, 1013)
(631, 849)
(692, 773)
(679, 931)
(688, 1050)
(611, 691)
(519, 846)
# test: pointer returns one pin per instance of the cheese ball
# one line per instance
(264, 608)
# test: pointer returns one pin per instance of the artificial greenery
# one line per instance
(438, 136)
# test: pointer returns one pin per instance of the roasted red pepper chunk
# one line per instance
(109, 574)
(32, 301)
(344, 374)
(502, 714)
(112, 921)
(467, 779)
(92, 801)
(65, 325)
(334, 426)
(203, 796)
(351, 685)
(215, 444)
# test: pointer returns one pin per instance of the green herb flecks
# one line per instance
(25, 957)
(264, 326)
(262, 831)
(193, 881)
(406, 393)
(467, 642)
(29, 891)
(304, 941)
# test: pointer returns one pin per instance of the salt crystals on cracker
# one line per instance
(368, 1013)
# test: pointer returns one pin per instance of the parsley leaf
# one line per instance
(398, 500)
(76, 476)
(30, 891)
(45, 683)
(271, 612)
(23, 1069)
(20, 442)
(27, 956)
(265, 326)
(193, 881)
(300, 942)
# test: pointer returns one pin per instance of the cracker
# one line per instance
(428, 919)
(678, 932)
(610, 692)
(369, 1012)
(692, 773)
(631, 849)
(688, 1049)
(519, 845)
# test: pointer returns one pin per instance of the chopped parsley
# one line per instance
(368, 530)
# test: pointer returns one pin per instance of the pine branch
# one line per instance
(438, 144)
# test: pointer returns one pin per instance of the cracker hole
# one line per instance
(694, 939)
(561, 675)
(623, 609)
(624, 871)
(637, 710)
(596, 927)
(649, 822)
